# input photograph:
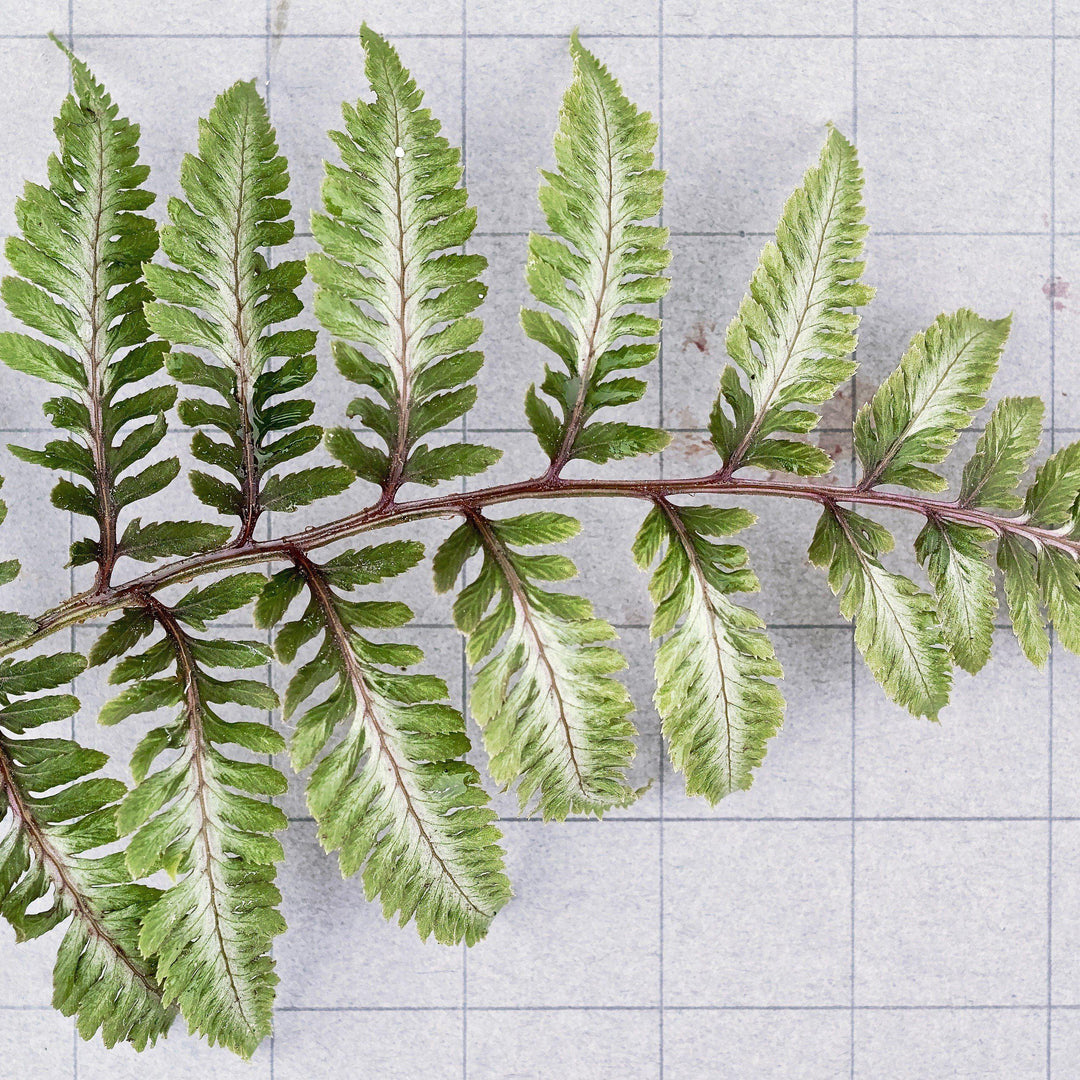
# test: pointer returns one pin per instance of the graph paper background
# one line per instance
(893, 899)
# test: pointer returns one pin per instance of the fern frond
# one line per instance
(222, 298)
(896, 626)
(203, 815)
(717, 708)
(390, 290)
(553, 719)
(78, 267)
(917, 414)
(390, 786)
(597, 272)
(794, 333)
(394, 795)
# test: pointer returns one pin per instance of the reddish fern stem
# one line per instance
(389, 511)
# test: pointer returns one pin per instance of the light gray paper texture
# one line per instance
(893, 898)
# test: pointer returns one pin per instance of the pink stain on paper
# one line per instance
(1057, 290)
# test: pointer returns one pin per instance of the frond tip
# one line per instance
(1044, 577)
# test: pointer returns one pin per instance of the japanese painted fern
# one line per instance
(115, 327)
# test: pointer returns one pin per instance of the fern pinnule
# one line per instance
(602, 265)
(390, 287)
(1002, 455)
(58, 813)
(554, 721)
(794, 333)
(393, 795)
(956, 561)
(717, 707)
(1042, 575)
(896, 625)
(202, 815)
(917, 414)
(78, 281)
(222, 297)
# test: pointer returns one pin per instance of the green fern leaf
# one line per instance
(12, 625)
(78, 281)
(394, 795)
(794, 332)
(390, 788)
(956, 560)
(203, 815)
(602, 265)
(223, 298)
(553, 719)
(1046, 576)
(388, 282)
(717, 709)
(1002, 454)
(158, 539)
(917, 414)
(896, 626)
(57, 811)
(1019, 570)
(1059, 584)
(1051, 501)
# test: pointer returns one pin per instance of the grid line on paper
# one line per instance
(71, 538)
(1037, 1006)
(851, 647)
(268, 254)
(1052, 309)
(509, 36)
(728, 819)
(464, 438)
(661, 765)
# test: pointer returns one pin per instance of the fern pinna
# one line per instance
(115, 326)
